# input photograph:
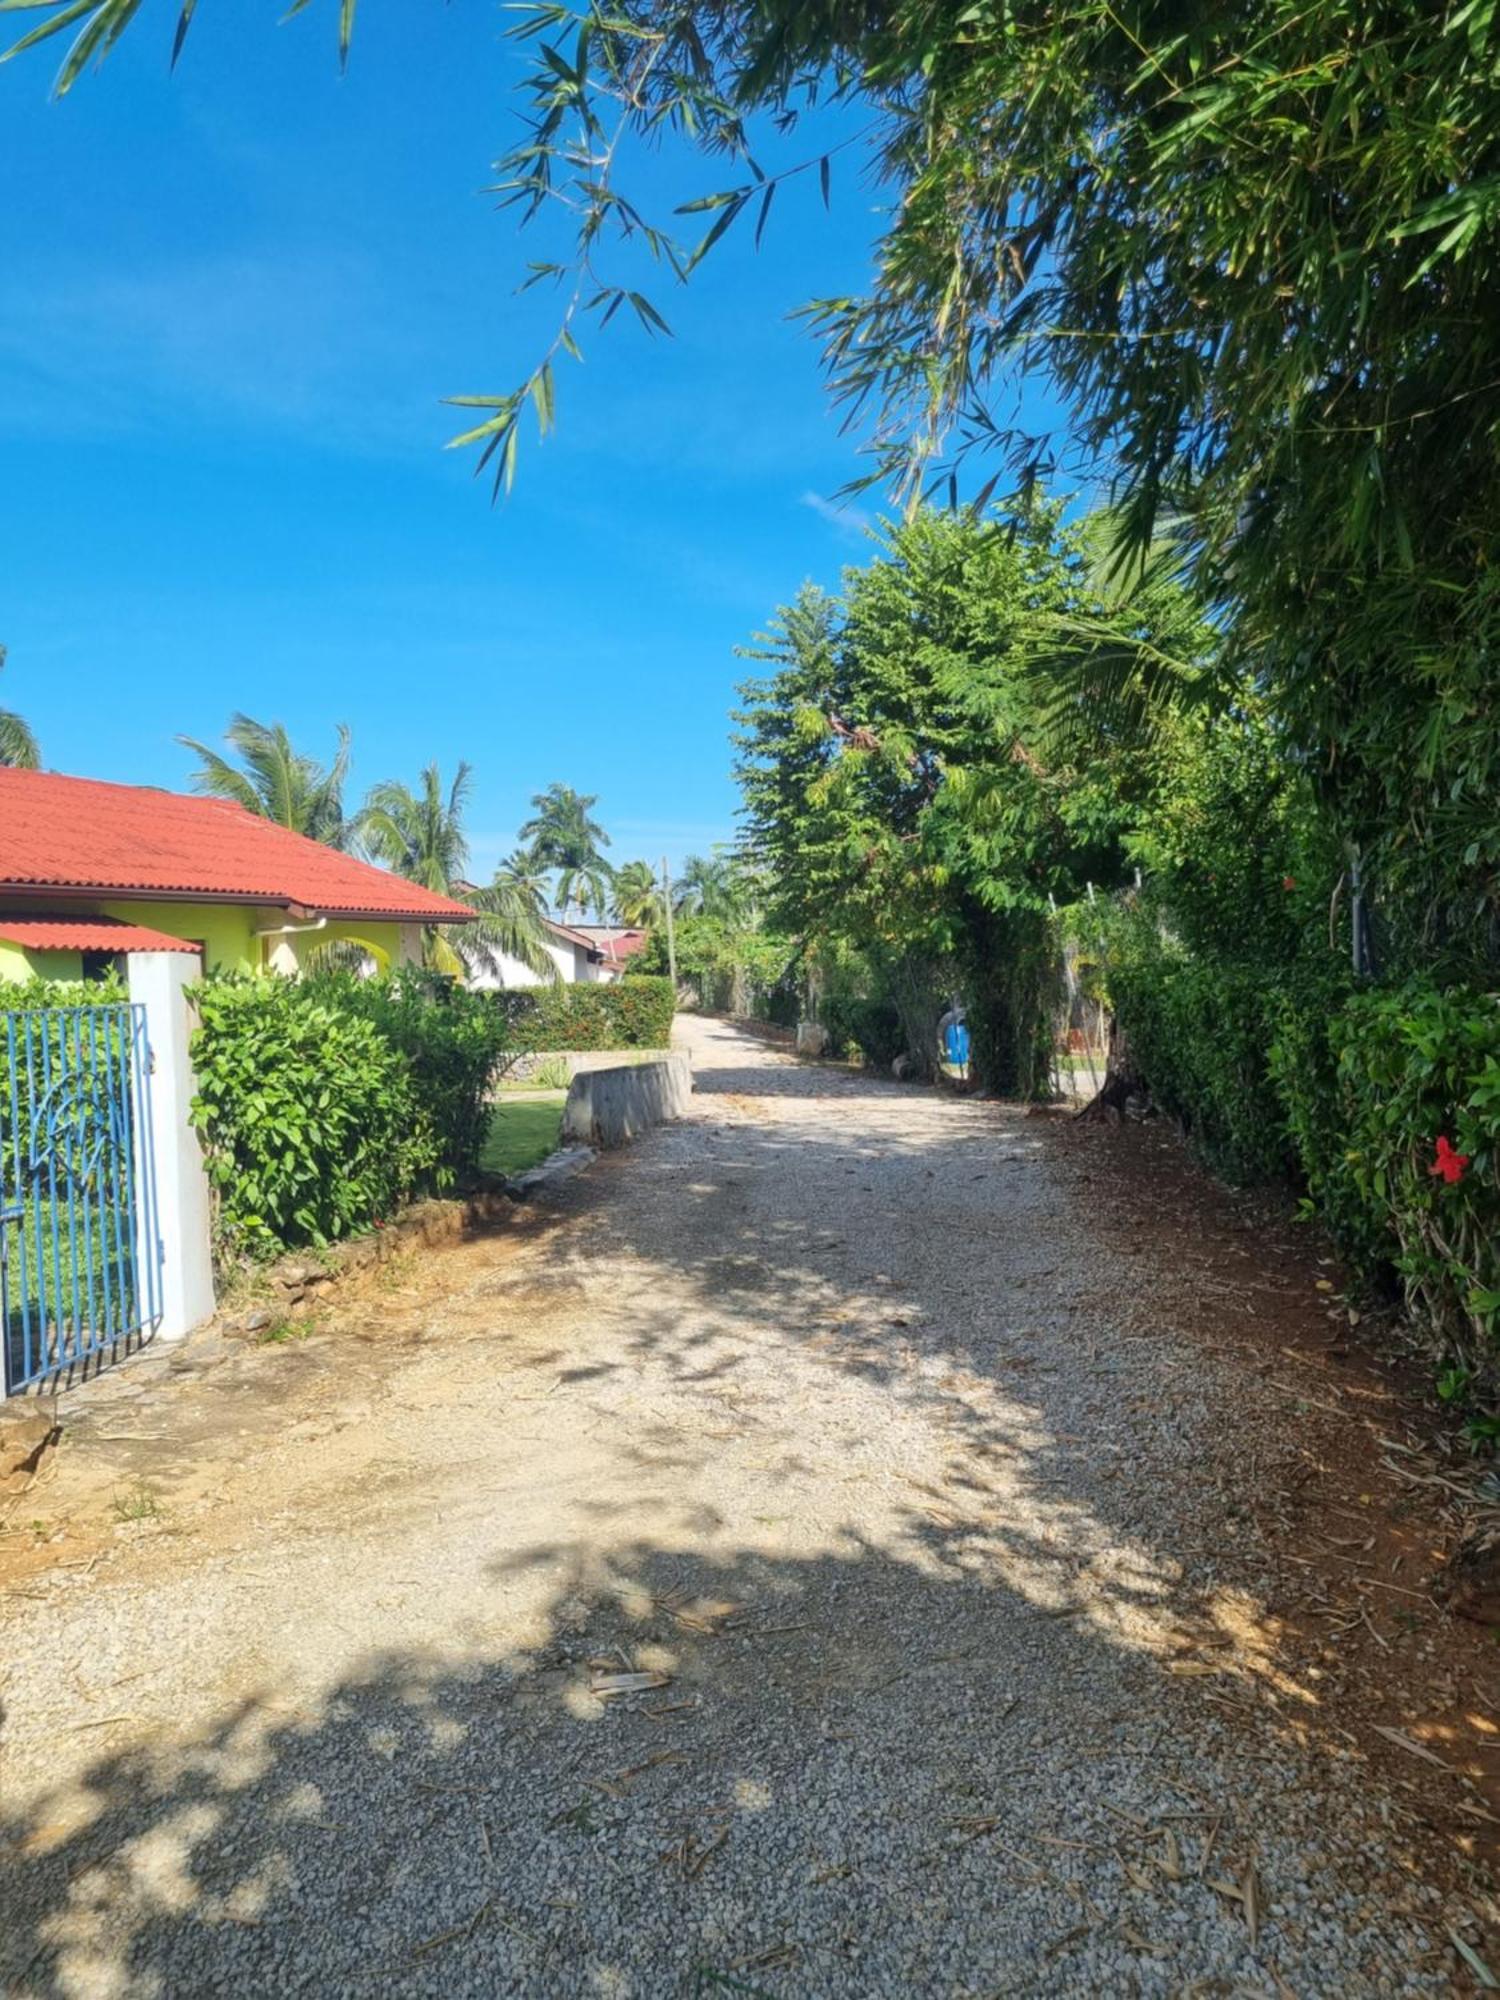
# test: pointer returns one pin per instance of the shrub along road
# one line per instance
(804, 1566)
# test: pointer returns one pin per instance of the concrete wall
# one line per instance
(609, 1107)
(159, 981)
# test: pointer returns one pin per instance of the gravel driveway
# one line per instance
(785, 1576)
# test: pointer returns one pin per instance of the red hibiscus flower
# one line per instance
(1448, 1164)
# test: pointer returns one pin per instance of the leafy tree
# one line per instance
(420, 834)
(1252, 249)
(18, 746)
(275, 781)
(565, 838)
(738, 967)
(906, 787)
(637, 895)
(510, 920)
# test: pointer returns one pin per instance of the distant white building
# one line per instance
(583, 954)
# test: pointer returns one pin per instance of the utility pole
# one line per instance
(666, 903)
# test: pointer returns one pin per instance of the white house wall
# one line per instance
(501, 971)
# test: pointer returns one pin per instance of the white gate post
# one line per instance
(157, 981)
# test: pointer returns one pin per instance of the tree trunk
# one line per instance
(1122, 1079)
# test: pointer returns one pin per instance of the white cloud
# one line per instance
(851, 523)
(306, 341)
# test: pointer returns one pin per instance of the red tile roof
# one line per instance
(607, 941)
(569, 933)
(86, 934)
(77, 833)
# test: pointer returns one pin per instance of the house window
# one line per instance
(100, 965)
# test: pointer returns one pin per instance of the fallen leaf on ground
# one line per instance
(1136, 1942)
(1412, 1748)
(606, 1686)
(1475, 1963)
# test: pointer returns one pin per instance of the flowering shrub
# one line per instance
(1419, 1084)
(1382, 1102)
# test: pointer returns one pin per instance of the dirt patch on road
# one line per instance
(169, 1441)
(1354, 1494)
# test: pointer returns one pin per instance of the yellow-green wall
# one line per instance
(229, 933)
(19, 964)
(227, 930)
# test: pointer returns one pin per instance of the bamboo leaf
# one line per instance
(75, 11)
(765, 210)
(726, 217)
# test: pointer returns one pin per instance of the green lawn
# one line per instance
(523, 1133)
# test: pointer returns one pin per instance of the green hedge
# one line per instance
(631, 1013)
(325, 1104)
(1290, 1072)
(453, 1041)
(1417, 1067)
(871, 1026)
(1199, 1030)
(311, 1127)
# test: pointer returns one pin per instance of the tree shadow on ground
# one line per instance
(937, 1746)
(923, 1796)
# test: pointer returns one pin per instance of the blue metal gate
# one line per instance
(80, 1249)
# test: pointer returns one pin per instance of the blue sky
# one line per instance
(234, 297)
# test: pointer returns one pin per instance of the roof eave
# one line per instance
(445, 913)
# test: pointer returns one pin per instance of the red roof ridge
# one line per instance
(97, 836)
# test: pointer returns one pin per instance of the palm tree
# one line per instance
(421, 836)
(18, 747)
(710, 886)
(637, 895)
(511, 921)
(275, 781)
(525, 874)
(564, 838)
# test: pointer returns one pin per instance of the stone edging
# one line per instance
(299, 1279)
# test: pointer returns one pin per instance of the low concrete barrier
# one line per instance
(609, 1107)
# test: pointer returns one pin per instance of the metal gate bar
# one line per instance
(80, 1253)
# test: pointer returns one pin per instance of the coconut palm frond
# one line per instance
(509, 921)
(713, 885)
(339, 955)
(636, 895)
(586, 885)
(18, 746)
(418, 834)
(276, 781)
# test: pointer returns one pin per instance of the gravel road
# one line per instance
(787, 1575)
